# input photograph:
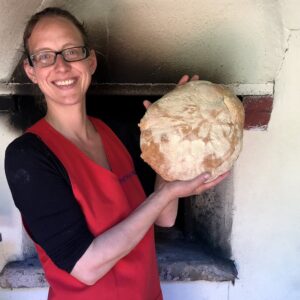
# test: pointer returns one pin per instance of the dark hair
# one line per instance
(52, 12)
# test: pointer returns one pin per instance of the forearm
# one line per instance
(108, 248)
(168, 216)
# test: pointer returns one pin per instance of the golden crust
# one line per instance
(195, 128)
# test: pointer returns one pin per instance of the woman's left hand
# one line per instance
(183, 80)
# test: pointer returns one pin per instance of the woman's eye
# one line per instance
(44, 57)
(71, 52)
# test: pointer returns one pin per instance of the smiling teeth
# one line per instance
(65, 82)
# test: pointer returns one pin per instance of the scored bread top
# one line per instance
(195, 128)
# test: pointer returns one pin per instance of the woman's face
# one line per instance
(63, 83)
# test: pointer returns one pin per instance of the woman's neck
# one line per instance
(72, 122)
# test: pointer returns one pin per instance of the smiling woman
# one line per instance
(52, 45)
(81, 201)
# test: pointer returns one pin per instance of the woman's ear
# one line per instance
(92, 61)
(29, 70)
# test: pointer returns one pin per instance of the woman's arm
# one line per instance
(42, 192)
(108, 248)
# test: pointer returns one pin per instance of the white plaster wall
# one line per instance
(196, 290)
(13, 16)
(290, 12)
(10, 223)
(24, 294)
(266, 231)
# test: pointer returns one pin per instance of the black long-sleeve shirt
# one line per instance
(41, 190)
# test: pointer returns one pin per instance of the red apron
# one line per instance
(106, 197)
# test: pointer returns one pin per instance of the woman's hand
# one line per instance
(179, 189)
(183, 80)
(191, 187)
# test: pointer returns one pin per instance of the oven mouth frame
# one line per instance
(181, 256)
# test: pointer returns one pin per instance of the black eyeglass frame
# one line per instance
(86, 49)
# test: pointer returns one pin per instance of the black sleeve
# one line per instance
(41, 190)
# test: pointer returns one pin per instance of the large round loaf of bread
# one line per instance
(195, 128)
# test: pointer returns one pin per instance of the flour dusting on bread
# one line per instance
(195, 128)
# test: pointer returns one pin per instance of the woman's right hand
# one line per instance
(195, 186)
(171, 191)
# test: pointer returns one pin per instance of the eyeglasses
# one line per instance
(47, 58)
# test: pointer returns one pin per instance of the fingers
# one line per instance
(188, 187)
(195, 77)
(185, 78)
(199, 183)
(147, 103)
(195, 186)
(211, 184)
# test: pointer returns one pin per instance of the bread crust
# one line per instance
(195, 128)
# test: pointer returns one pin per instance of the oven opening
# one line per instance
(198, 246)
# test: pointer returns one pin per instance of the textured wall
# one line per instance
(223, 40)
(266, 234)
(13, 16)
(11, 246)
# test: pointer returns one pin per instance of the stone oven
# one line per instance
(198, 247)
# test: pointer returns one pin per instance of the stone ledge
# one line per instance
(23, 274)
(178, 260)
(181, 260)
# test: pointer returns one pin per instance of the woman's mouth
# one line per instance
(64, 83)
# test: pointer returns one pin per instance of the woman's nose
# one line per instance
(60, 63)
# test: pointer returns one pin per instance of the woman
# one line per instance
(74, 182)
